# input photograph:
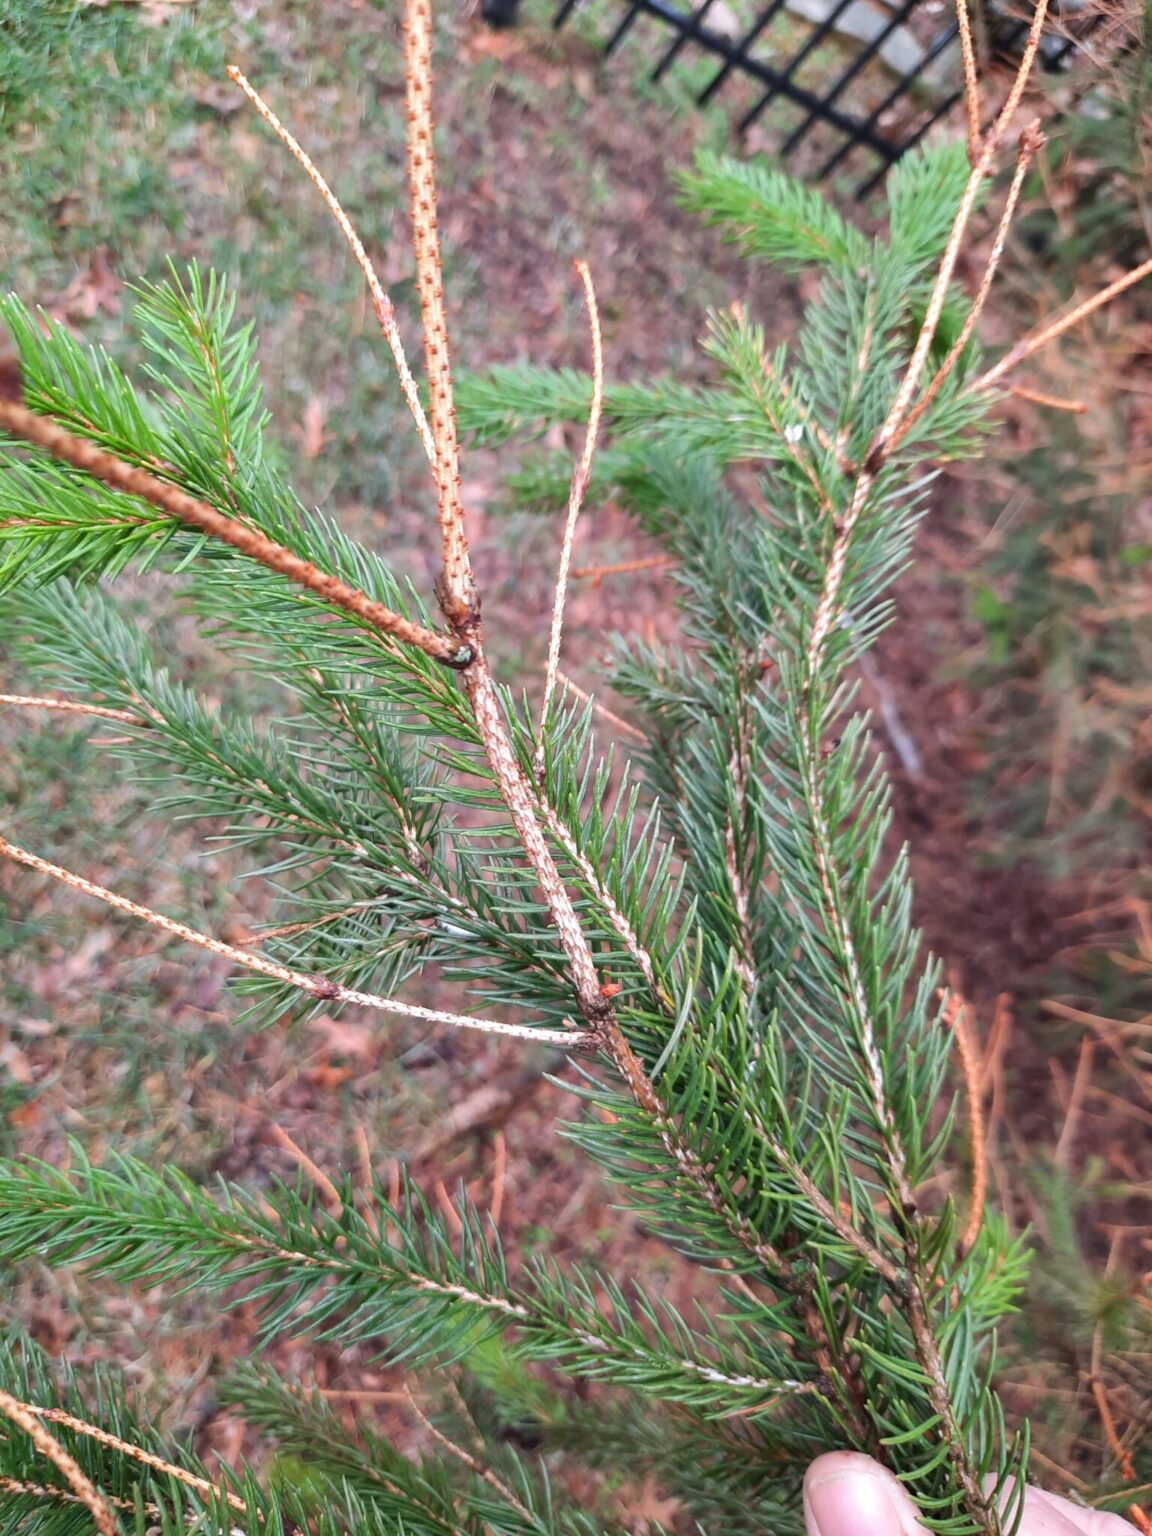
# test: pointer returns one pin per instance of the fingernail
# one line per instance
(855, 1501)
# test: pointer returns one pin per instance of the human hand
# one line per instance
(847, 1494)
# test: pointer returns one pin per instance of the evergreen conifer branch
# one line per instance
(418, 1298)
(766, 1048)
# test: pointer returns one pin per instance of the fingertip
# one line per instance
(849, 1494)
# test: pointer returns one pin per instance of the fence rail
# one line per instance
(886, 129)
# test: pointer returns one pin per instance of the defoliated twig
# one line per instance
(135, 1453)
(881, 445)
(24, 1417)
(1030, 344)
(908, 385)
(580, 478)
(70, 707)
(321, 987)
(971, 81)
(457, 586)
(381, 304)
(460, 604)
(19, 1489)
(1030, 141)
(56, 440)
(478, 1468)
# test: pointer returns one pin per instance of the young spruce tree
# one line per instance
(719, 941)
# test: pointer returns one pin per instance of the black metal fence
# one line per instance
(899, 111)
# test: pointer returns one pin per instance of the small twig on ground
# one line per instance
(596, 573)
(1075, 1103)
(317, 986)
(580, 477)
(327, 1190)
(1054, 402)
(27, 1418)
(1122, 1456)
(364, 1155)
(393, 1199)
(624, 726)
(362, 1395)
(489, 1105)
(499, 1170)
(450, 1213)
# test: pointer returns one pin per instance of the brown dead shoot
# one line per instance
(580, 478)
(25, 1417)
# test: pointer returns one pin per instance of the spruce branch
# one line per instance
(737, 951)
(367, 1288)
(320, 987)
(177, 504)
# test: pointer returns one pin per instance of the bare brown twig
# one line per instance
(971, 80)
(168, 498)
(135, 1453)
(1048, 333)
(1030, 141)
(580, 477)
(24, 1416)
(70, 707)
(317, 986)
(458, 596)
(381, 303)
